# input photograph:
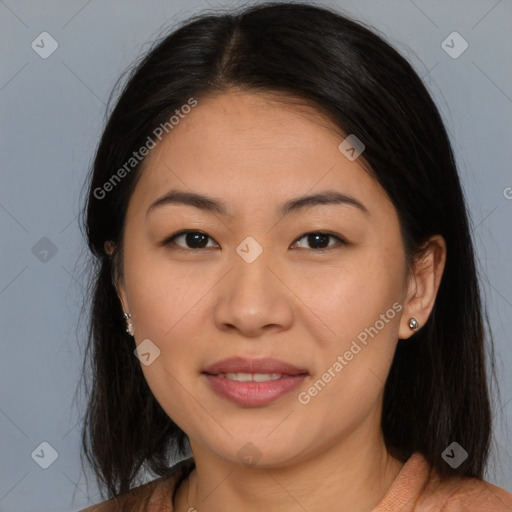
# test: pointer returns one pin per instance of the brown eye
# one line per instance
(192, 239)
(320, 240)
(196, 240)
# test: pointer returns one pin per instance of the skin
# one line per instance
(296, 302)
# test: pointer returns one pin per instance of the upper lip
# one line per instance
(245, 365)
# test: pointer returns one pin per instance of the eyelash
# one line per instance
(170, 240)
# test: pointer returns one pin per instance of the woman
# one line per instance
(285, 280)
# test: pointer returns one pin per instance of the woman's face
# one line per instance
(253, 284)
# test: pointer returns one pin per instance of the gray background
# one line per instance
(52, 115)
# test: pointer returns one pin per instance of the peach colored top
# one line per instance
(404, 494)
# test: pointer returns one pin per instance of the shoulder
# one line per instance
(135, 500)
(154, 496)
(464, 494)
(415, 490)
(474, 494)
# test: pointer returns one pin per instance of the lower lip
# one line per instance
(254, 394)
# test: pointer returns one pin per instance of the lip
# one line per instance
(254, 394)
(246, 365)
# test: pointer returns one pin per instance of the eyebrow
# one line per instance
(214, 205)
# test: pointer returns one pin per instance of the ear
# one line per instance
(422, 284)
(109, 247)
(118, 283)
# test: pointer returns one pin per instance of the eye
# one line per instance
(193, 239)
(319, 239)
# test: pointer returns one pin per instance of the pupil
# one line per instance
(312, 239)
(194, 239)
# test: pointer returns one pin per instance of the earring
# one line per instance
(129, 325)
(413, 324)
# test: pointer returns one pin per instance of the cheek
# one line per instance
(161, 293)
(166, 303)
(167, 311)
(351, 295)
(359, 304)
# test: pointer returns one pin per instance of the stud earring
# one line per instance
(413, 324)
(129, 325)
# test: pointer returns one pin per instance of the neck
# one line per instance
(353, 476)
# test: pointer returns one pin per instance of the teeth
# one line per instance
(248, 377)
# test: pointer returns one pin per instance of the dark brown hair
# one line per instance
(436, 391)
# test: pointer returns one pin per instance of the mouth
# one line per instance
(252, 377)
(253, 382)
(245, 366)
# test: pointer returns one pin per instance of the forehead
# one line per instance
(252, 149)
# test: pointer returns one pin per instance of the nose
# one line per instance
(253, 299)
